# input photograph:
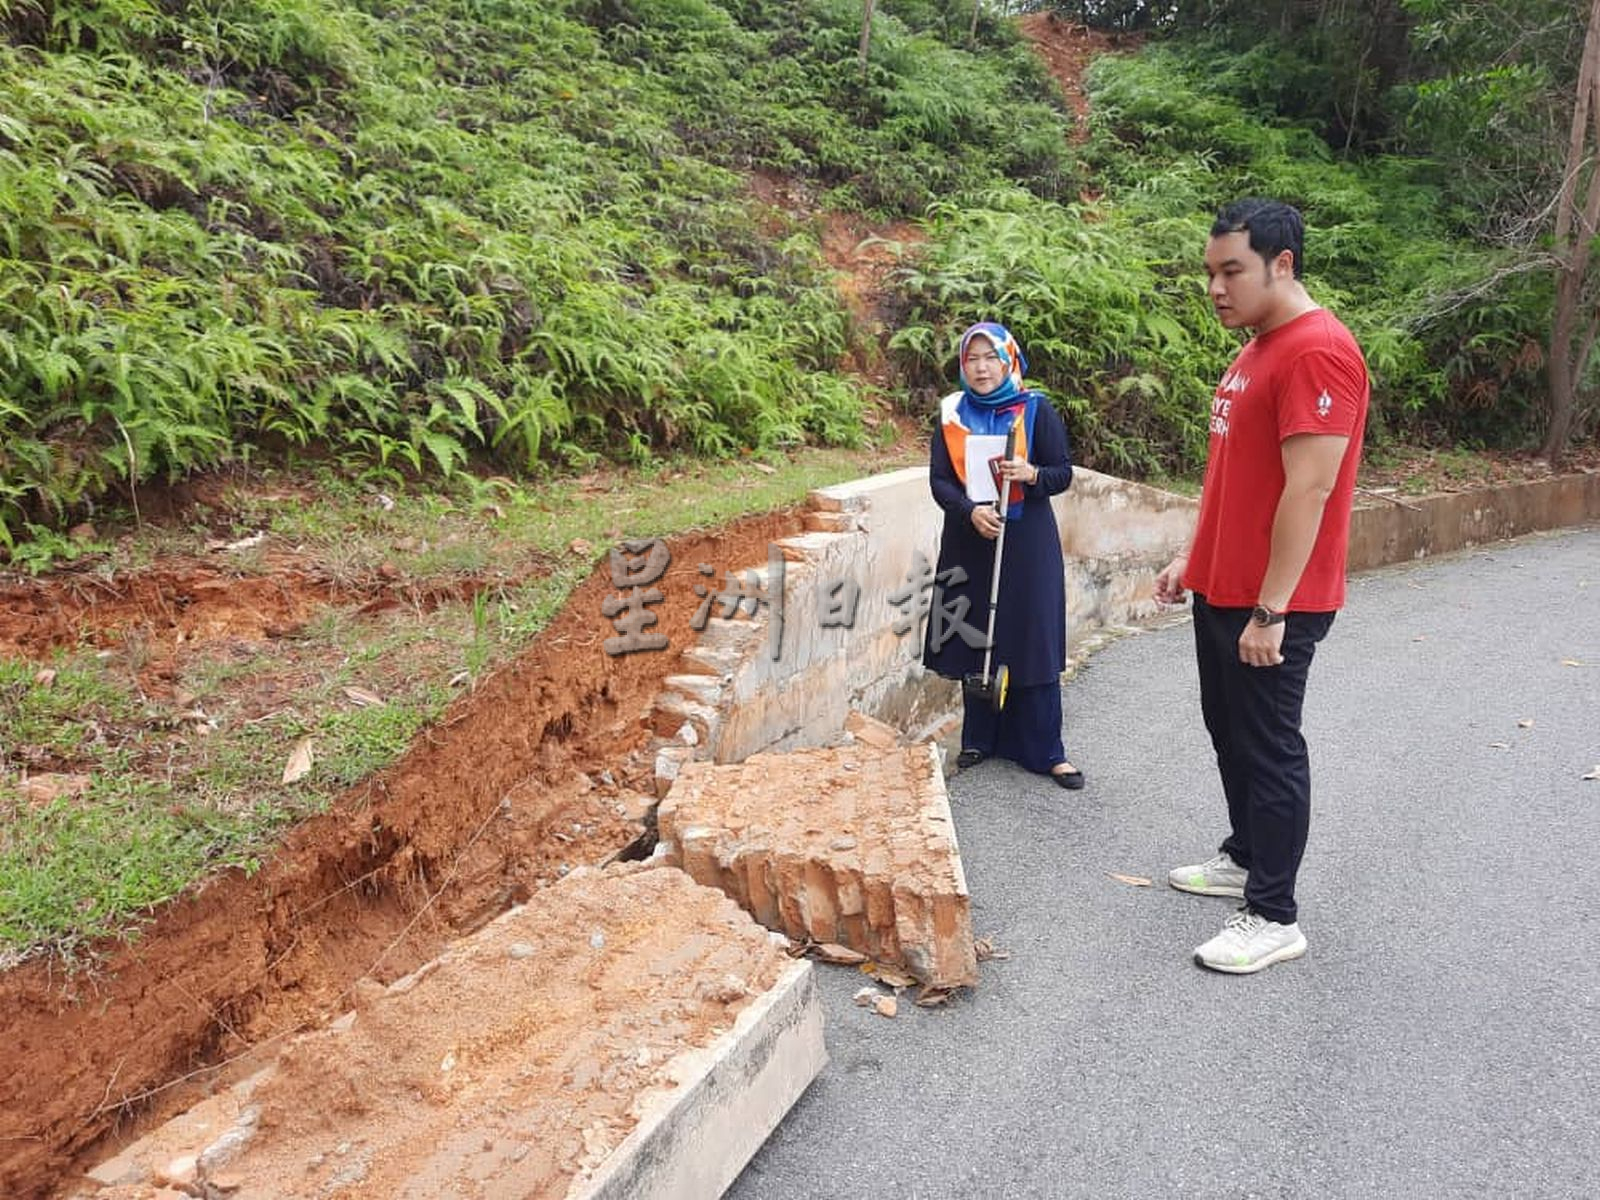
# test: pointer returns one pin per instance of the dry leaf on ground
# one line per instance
(894, 977)
(865, 996)
(933, 997)
(299, 763)
(1130, 880)
(986, 950)
(46, 677)
(830, 952)
(362, 698)
(885, 1006)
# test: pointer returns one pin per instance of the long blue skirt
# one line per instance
(1027, 730)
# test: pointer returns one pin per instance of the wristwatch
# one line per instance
(1262, 615)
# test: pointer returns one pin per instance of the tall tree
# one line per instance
(866, 33)
(1576, 321)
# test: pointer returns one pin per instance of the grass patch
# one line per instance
(81, 868)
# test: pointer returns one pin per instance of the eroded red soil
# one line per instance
(1068, 49)
(539, 769)
(510, 1066)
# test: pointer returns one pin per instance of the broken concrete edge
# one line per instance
(713, 1106)
(693, 1142)
(890, 886)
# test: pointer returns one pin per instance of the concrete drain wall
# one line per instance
(866, 537)
(866, 540)
(626, 1033)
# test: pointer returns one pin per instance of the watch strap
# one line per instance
(1262, 615)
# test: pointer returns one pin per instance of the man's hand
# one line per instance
(1261, 645)
(986, 521)
(1169, 584)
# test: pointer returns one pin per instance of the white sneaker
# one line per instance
(1248, 942)
(1219, 876)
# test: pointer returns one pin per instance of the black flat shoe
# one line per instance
(1071, 780)
(969, 758)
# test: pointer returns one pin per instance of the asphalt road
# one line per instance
(1440, 1038)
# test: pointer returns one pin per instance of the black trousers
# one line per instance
(1253, 716)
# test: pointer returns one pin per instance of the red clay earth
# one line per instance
(1067, 50)
(511, 1066)
(481, 808)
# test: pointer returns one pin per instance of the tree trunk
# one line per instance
(866, 32)
(972, 33)
(1572, 328)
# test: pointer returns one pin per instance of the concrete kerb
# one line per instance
(706, 1111)
(693, 1143)
(1116, 536)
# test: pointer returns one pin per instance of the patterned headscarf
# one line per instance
(1011, 359)
(965, 412)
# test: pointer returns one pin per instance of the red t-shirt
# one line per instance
(1306, 376)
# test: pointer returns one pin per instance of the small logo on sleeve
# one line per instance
(1324, 404)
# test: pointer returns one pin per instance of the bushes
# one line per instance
(408, 239)
(1122, 341)
(1109, 303)
(416, 235)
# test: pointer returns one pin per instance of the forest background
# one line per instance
(453, 254)
(421, 238)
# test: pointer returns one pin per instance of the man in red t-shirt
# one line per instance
(1266, 566)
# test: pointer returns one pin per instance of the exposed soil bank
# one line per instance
(534, 771)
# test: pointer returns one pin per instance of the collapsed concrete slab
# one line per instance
(852, 845)
(624, 1033)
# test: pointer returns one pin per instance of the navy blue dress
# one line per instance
(1030, 630)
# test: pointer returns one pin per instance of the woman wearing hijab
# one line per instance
(1030, 624)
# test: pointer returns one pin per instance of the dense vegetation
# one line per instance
(415, 235)
(1445, 153)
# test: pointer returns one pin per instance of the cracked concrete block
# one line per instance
(830, 522)
(701, 688)
(851, 844)
(870, 731)
(669, 762)
(671, 711)
(647, 1048)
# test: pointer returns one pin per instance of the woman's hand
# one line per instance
(1019, 470)
(986, 521)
